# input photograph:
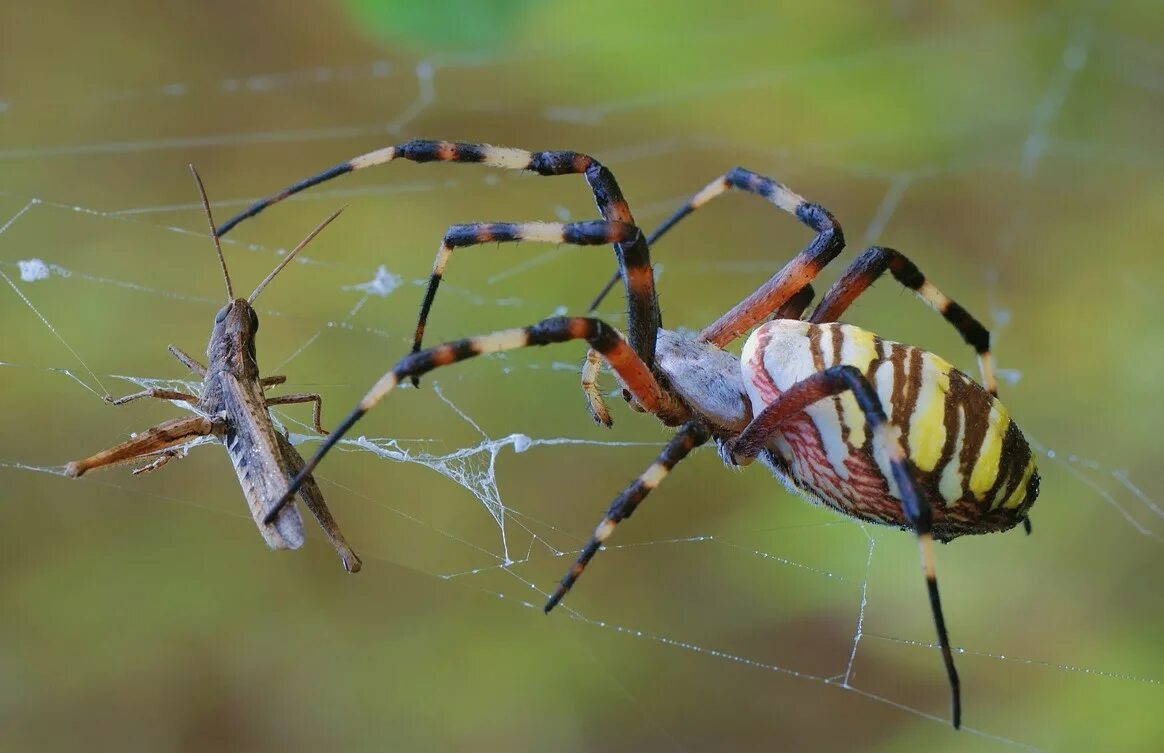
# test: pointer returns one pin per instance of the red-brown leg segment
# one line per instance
(794, 275)
(633, 256)
(870, 265)
(754, 439)
(784, 284)
(795, 306)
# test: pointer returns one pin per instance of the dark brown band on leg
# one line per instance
(870, 265)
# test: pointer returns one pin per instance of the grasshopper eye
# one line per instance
(254, 321)
(221, 315)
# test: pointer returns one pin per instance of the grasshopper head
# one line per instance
(232, 341)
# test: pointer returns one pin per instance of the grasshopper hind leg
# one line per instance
(157, 439)
(313, 498)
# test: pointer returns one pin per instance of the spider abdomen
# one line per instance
(971, 459)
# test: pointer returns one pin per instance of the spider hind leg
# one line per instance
(915, 505)
(874, 262)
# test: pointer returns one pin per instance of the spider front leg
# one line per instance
(833, 381)
(643, 320)
(635, 375)
(870, 265)
(591, 233)
(692, 435)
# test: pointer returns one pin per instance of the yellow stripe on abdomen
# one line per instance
(858, 349)
(985, 470)
(927, 423)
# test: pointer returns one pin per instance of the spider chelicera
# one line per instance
(877, 430)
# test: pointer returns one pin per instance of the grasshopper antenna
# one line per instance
(287, 259)
(213, 232)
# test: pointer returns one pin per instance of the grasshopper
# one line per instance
(233, 408)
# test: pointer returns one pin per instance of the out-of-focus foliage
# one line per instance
(444, 25)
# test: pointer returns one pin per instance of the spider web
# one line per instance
(495, 485)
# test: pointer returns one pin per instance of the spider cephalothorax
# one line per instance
(877, 430)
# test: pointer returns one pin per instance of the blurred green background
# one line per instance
(1013, 150)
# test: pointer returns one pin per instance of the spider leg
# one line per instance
(592, 233)
(714, 189)
(833, 381)
(870, 265)
(692, 435)
(795, 306)
(635, 375)
(633, 256)
(793, 276)
(654, 236)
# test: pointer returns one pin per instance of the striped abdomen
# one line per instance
(972, 460)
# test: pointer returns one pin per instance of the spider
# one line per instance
(880, 431)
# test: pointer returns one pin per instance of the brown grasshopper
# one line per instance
(233, 408)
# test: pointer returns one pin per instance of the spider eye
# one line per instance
(221, 315)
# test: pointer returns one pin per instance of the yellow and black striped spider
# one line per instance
(877, 430)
